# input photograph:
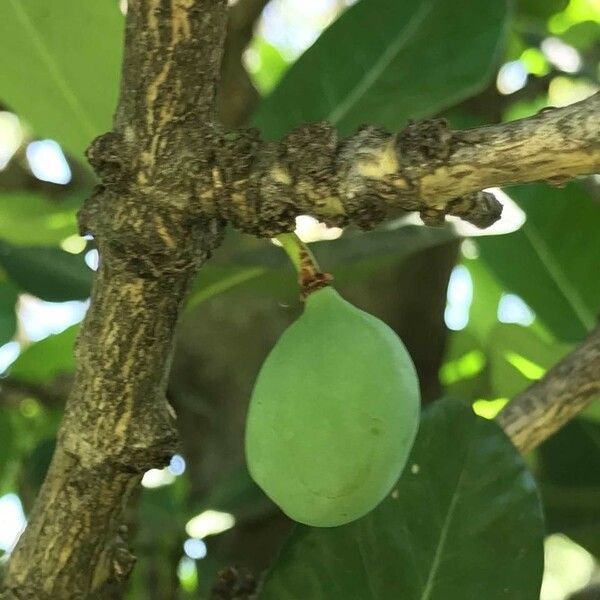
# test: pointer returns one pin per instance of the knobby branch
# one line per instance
(260, 187)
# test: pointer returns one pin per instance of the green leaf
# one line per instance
(272, 65)
(465, 372)
(48, 273)
(519, 356)
(384, 62)
(8, 316)
(36, 465)
(59, 66)
(569, 476)
(592, 412)
(236, 493)
(584, 35)
(35, 220)
(540, 10)
(483, 313)
(552, 261)
(464, 523)
(43, 361)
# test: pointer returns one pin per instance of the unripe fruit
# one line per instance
(333, 414)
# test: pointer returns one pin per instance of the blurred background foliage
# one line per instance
(483, 313)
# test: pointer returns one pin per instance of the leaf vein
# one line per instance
(53, 69)
(379, 67)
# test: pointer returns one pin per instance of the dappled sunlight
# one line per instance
(568, 567)
(513, 218)
(92, 259)
(11, 137)
(8, 354)
(12, 521)
(513, 309)
(564, 91)
(209, 522)
(194, 548)
(187, 573)
(74, 244)
(47, 162)
(526, 367)
(575, 12)
(177, 465)
(561, 55)
(464, 367)
(460, 296)
(535, 62)
(489, 409)
(155, 478)
(293, 27)
(512, 77)
(40, 319)
(308, 229)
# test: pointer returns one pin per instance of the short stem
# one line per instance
(310, 276)
(298, 252)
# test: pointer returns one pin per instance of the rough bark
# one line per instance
(262, 186)
(117, 422)
(565, 390)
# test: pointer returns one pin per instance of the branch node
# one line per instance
(481, 209)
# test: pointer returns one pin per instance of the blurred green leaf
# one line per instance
(6, 443)
(465, 372)
(34, 220)
(159, 536)
(541, 9)
(8, 315)
(569, 475)
(519, 356)
(35, 465)
(236, 493)
(59, 66)
(592, 412)
(577, 11)
(162, 510)
(584, 35)
(385, 62)
(552, 261)
(271, 65)
(487, 292)
(48, 273)
(464, 523)
(244, 263)
(43, 361)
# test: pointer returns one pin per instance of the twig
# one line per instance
(536, 413)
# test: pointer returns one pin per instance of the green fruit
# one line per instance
(333, 414)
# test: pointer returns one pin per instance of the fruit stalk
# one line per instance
(310, 276)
